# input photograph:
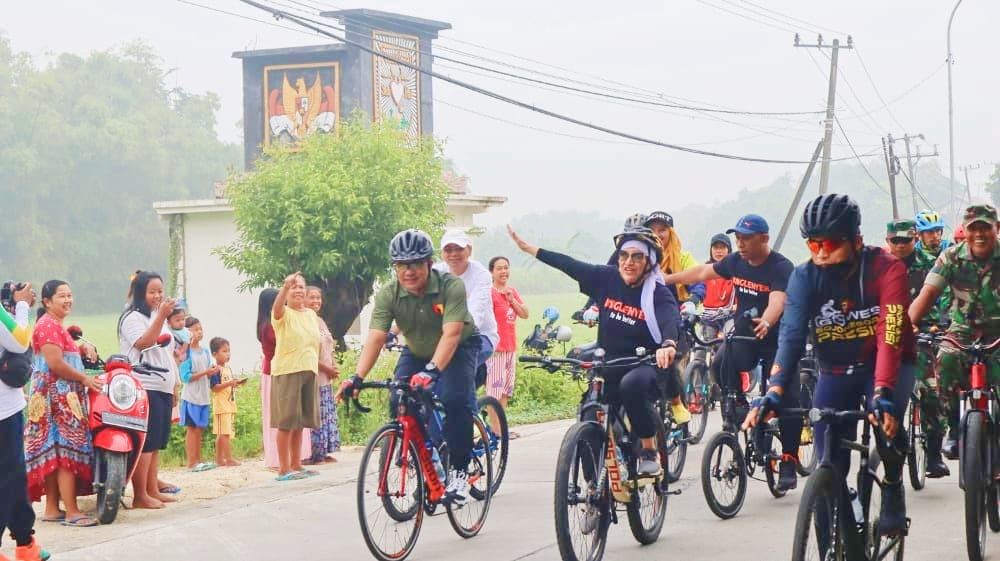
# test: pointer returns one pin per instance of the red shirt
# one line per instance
(506, 319)
(718, 293)
(267, 343)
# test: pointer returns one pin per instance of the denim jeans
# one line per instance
(15, 508)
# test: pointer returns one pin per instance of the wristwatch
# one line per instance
(430, 367)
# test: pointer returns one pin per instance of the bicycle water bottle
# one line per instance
(859, 513)
(436, 460)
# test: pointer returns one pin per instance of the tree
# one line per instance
(330, 210)
(993, 186)
(87, 144)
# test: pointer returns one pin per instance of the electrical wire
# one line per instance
(913, 186)
(746, 17)
(858, 158)
(874, 87)
(248, 18)
(795, 19)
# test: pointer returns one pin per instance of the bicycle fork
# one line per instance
(977, 399)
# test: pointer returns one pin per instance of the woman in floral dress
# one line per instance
(58, 447)
(326, 437)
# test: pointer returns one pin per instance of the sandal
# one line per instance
(204, 466)
(82, 521)
(513, 435)
(309, 473)
(170, 489)
(291, 476)
(57, 518)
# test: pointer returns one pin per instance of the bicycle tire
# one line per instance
(655, 490)
(808, 456)
(993, 508)
(974, 474)
(916, 457)
(771, 465)
(715, 468)
(698, 399)
(389, 435)
(479, 467)
(498, 443)
(822, 495)
(589, 441)
(677, 442)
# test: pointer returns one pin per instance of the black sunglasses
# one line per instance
(900, 241)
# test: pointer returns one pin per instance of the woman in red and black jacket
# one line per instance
(854, 298)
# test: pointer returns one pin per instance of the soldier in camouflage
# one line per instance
(972, 270)
(901, 240)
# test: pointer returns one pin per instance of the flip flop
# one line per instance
(170, 489)
(58, 518)
(291, 476)
(204, 466)
(309, 473)
(82, 521)
(513, 435)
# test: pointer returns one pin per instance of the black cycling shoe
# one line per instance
(936, 468)
(892, 516)
(787, 478)
(950, 448)
(649, 464)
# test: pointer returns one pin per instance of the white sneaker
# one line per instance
(458, 487)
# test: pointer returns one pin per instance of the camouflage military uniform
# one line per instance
(975, 311)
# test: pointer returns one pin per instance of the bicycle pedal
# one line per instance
(674, 492)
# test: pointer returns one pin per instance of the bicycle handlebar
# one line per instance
(555, 363)
(975, 347)
(391, 385)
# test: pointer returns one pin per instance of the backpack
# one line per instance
(16, 368)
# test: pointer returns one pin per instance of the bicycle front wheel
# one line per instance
(724, 475)
(498, 436)
(648, 508)
(772, 456)
(677, 437)
(916, 458)
(390, 493)
(976, 479)
(697, 397)
(468, 519)
(819, 536)
(582, 498)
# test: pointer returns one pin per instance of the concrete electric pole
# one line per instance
(912, 159)
(891, 168)
(824, 174)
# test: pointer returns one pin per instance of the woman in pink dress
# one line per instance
(265, 334)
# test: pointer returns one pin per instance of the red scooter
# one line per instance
(118, 419)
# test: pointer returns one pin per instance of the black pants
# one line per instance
(637, 389)
(15, 508)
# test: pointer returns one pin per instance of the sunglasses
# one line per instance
(402, 267)
(900, 241)
(829, 246)
(635, 257)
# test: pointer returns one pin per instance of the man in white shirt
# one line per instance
(456, 252)
(16, 513)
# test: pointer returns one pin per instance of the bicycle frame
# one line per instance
(980, 397)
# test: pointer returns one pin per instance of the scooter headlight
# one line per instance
(123, 392)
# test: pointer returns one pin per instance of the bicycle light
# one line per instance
(815, 415)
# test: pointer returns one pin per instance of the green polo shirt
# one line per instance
(420, 317)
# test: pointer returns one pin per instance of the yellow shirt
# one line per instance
(297, 342)
(223, 401)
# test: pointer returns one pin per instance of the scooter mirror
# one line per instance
(163, 340)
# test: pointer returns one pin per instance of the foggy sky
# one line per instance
(681, 48)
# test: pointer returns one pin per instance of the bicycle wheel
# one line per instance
(808, 456)
(468, 519)
(497, 441)
(993, 508)
(974, 474)
(390, 493)
(677, 442)
(697, 398)
(582, 498)
(916, 458)
(724, 475)
(772, 456)
(818, 534)
(648, 507)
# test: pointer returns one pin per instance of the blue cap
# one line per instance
(750, 224)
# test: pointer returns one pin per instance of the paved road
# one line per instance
(316, 519)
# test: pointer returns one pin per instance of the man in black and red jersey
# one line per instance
(760, 277)
(854, 297)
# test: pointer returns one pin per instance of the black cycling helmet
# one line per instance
(831, 215)
(640, 234)
(411, 245)
(659, 216)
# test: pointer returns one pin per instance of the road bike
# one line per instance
(402, 473)
(597, 466)
(834, 521)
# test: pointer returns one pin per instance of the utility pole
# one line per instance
(798, 197)
(892, 168)
(968, 189)
(911, 164)
(831, 96)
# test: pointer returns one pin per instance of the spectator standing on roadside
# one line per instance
(507, 307)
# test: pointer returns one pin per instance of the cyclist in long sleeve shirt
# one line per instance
(636, 310)
(856, 298)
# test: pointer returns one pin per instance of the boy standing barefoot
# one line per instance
(223, 402)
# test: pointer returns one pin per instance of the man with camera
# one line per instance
(15, 370)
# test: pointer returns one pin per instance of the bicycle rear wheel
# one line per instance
(648, 507)
(974, 474)
(677, 442)
(916, 458)
(497, 441)
(808, 455)
(582, 499)
(819, 535)
(468, 519)
(697, 396)
(772, 451)
(390, 493)
(724, 475)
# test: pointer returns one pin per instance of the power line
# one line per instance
(305, 22)
(927, 203)
(874, 87)
(858, 158)
(241, 16)
(814, 26)
(746, 17)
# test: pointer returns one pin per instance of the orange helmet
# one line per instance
(959, 235)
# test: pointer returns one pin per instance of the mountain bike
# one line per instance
(834, 521)
(978, 464)
(808, 375)
(597, 466)
(402, 474)
(697, 381)
(916, 458)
